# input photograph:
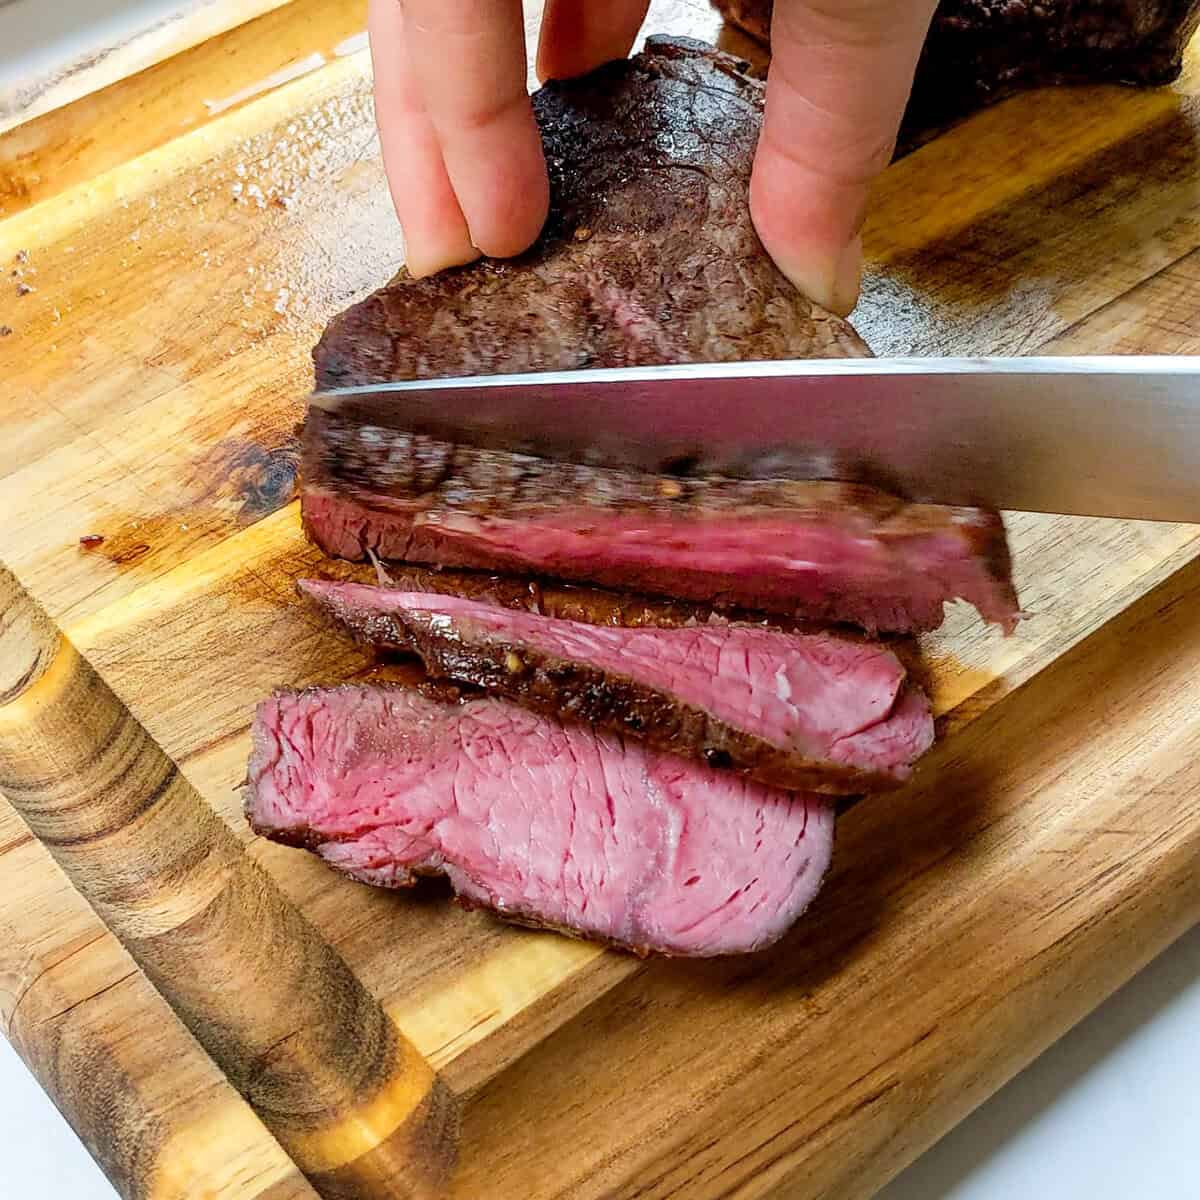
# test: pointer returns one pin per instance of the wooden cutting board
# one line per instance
(149, 391)
(77, 56)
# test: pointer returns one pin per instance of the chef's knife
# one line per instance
(1116, 437)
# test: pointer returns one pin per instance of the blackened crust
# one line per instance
(980, 51)
(648, 256)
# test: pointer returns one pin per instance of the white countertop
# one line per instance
(1107, 1114)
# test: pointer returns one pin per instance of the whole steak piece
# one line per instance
(550, 825)
(979, 51)
(648, 257)
(813, 711)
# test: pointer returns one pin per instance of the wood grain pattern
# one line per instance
(967, 925)
(121, 49)
(42, 157)
(294, 1031)
(148, 395)
(97, 1034)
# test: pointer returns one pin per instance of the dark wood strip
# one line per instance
(277, 1008)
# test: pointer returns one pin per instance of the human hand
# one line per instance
(461, 148)
(840, 76)
(464, 158)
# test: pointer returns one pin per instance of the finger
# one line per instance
(468, 57)
(840, 76)
(580, 35)
(435, 230)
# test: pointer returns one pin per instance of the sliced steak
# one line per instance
(980, 51)
(800, 711)
(599, 606)
(552, 825)
(571, 601)
(648, 256)
(815, 551)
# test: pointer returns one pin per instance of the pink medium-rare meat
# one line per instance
(801, 711)
(815, 551)
(648, 256)
(568, 601)
(552, 825)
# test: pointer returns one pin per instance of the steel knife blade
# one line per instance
(1100, 436)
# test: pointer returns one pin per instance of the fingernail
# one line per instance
(424, 258)
(847, 279)
(833, 281)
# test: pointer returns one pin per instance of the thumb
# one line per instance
(840, 76)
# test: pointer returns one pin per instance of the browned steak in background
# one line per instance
(980, 51)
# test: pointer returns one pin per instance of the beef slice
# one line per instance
(546, 824)
(803, 711)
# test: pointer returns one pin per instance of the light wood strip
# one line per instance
(42, 157)
(121, 52)
(973, 185)
(1018, 244)
(1160, 316)
(294, 1030)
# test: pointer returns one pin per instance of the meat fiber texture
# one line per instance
(801, 711)
(588, 604)
(547, 824)
(648, 257)
(810, 550)
(980, 51)
(572, 601)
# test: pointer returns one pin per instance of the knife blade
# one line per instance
(1101, 436)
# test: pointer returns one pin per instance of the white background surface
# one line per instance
(1109, 1113)
(39, 34)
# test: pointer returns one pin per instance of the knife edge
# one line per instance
(1097, 436)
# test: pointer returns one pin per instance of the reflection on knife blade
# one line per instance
(1089, 436)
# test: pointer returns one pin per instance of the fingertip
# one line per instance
(828, 276)
(553, 62)
(578, 36)
(811, 234)
(505, 188)
(434, 228)
(839, 79)
(550, 61)
(511, 232)
(847, 279)
(424, 259)
(510, 241)
(566, 58)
